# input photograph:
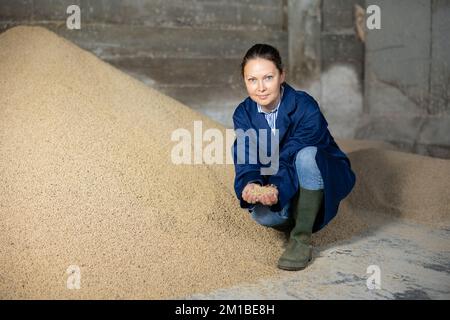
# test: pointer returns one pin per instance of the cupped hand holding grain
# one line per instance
(266, 195)
(269, 196)
(248, 193)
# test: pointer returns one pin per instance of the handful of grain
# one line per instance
(261, 190)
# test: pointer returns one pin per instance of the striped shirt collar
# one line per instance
(260, 110)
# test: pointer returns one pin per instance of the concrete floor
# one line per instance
(413, 259)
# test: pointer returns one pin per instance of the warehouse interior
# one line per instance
(86, 117)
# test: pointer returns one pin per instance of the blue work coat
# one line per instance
(301, 124)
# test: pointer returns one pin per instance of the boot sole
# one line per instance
(294, 268)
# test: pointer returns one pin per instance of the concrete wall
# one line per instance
(393, 85)
(326, 58)
(189, 49)
(407, 77)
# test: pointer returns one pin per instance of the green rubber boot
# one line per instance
(298, 252)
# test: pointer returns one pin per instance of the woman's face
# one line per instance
(263, 81)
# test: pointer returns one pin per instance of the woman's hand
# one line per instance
(248, 194)
(269, 196)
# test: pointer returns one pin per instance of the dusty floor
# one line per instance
(413, 259)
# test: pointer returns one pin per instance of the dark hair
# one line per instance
(264, 51)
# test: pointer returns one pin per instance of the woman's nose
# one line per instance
(261, 86)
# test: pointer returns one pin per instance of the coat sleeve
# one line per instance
(245, 171)
(309, 130)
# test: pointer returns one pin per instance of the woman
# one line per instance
(313, 174)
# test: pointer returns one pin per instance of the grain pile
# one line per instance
(86, 179)
(402, 185)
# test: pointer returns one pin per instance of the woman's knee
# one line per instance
(307, 169)
(306, 158)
